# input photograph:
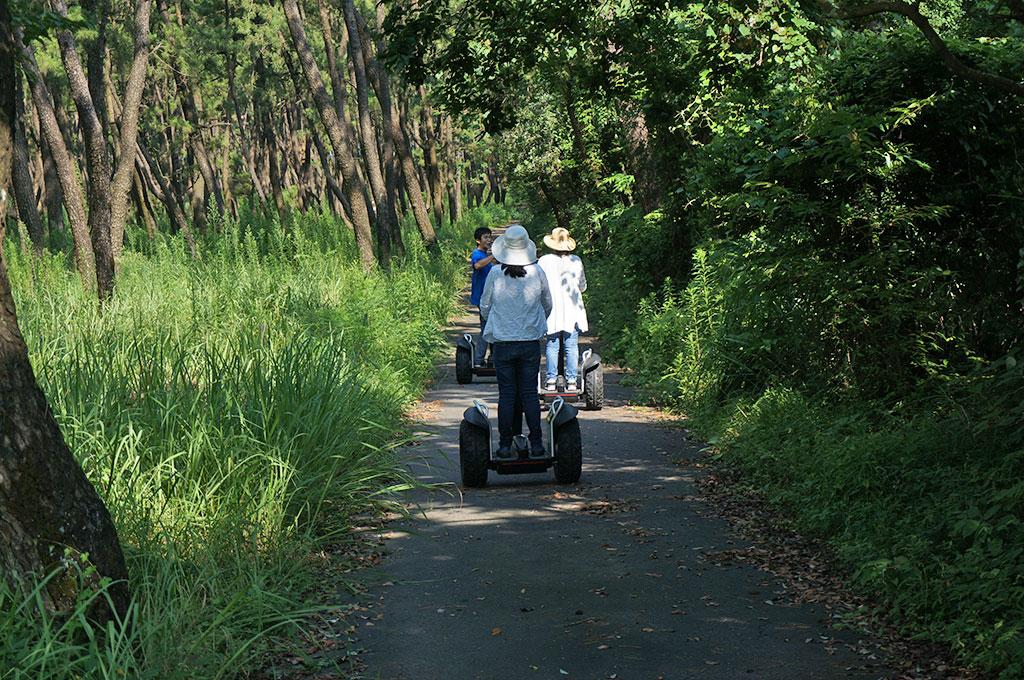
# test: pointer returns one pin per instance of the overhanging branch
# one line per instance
(952, 62)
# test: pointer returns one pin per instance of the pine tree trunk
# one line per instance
(393, 128)
(431, 166)
(386, 219)
(24, 192)
(329, 116)
(142, 207)
(121, 183)
(454, 185)
(49, 512)
(53, 196)
(97, 155)
(65, 167)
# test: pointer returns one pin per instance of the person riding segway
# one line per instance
(515, 305)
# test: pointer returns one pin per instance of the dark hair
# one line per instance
(479, 233)
(514, 270)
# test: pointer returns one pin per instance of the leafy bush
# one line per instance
(846, 326)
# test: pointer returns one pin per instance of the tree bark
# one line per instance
(66, 170)
(432, 166)
(393, 172)
(393, 128)
(142, 207)
(454, 182)
(49, 512)
(171, 203)
(134, 87)
(329, 116)
(97, 158)
(24, 193)
(386, 218)
(53, 197)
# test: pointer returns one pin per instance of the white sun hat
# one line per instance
(515, 247)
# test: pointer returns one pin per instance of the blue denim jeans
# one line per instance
(517, 364)
(480, 345)
(572, 354)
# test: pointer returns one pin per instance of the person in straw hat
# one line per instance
(515, 305)
(568, 318)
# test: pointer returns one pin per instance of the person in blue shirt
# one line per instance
(481, 261)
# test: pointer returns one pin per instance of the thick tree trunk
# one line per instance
(329, 116)
(67, 173)
(386, 218)
(49, 512)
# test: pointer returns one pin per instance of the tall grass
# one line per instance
(235, 414)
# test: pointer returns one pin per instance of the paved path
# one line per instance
(605, 579)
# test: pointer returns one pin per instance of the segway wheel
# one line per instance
(463, 365)
(568, 453)
(593, 389)
(473, 455)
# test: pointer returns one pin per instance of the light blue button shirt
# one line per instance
(515, 309)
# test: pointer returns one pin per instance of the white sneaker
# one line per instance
(550, 385)
(570, 386)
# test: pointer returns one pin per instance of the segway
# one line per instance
(465, 360)
(589, 388)
(563, 448)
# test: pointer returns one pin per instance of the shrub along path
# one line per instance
(605, 579)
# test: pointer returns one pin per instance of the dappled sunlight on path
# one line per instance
(608, 578)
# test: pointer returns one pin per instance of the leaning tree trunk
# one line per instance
(393, 128)
(353, 185)
(96, 155)
(386, 218)
(67, 173)
(129, 133)
(24, 193)
(50, 514)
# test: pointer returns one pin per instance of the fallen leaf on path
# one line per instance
(495, 631)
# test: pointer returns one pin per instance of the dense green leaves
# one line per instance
(804, 232)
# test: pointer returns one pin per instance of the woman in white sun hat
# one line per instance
(568, 318)
(515, 305)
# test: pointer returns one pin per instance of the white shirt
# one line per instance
(515, 309)
(567, 282)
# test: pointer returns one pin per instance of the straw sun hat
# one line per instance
(559, 239)
(515, 247)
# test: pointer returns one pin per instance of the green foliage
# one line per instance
(805, 234)
(236, 414)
